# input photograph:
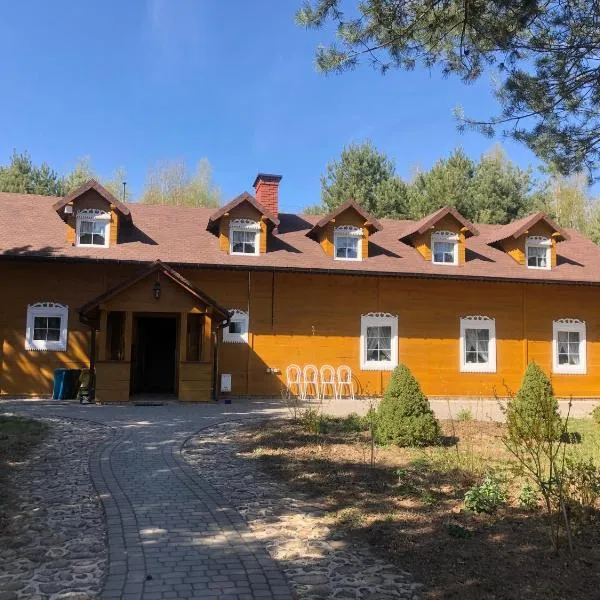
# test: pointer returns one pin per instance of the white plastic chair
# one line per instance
(310, 381)
(293, 376)
(344, 381)
(327, 381)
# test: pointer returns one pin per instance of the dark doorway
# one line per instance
(153, 355)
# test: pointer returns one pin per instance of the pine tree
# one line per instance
(544, 54)
(446, 183)
(367, 176)
(404, 416)
(533, 413)
(22, 176)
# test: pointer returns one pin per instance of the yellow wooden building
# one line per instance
(194, 302)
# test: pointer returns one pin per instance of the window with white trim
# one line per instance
(444, 248)
(378, 341)
(347, 241)
(237, 330)
(47, 326)
(244, 237)
(538, 252)
(569, 346)
(93, 228)
(477, 344)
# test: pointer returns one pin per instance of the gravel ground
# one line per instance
(318, 563)
(54, 545)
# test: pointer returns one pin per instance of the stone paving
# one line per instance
(54, 542)
(212, 527)
(319, 562)
(170, 533)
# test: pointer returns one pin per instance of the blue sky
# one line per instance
(134, 83)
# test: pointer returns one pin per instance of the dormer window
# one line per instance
(93, 228)
(343, 233)
(348, 242)
(538, 249)
(444, 248)
(244, 236)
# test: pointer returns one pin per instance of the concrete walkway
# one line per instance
(170, 533)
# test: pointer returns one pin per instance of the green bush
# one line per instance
(315, 422)
(528, 497)
(311, 420)
(464, 414)
(596, 415)
(354, 422)
(486, 497)
(533, 413)
(404, 416)
(581, 482)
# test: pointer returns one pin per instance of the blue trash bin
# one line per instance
(60, 384)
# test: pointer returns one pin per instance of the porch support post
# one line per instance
(102, 335)
(183, 337)
(207, 339)
(128, 336)
(92, 349)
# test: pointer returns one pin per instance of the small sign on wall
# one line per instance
(226, 382)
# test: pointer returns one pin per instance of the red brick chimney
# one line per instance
(266, 189)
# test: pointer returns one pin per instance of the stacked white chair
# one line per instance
(328, 382)
(293, 375)
(344, 381)
(310, 381)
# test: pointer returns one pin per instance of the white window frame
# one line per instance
(539, 241)
(93, 215)
(570, 325)
(348, 231)
(478, 322)
(52, 310)
(378, 319)
(447, 237)
(245, 225)
(238, 316)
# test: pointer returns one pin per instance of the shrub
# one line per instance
(596, 415)
(354, 422)
(533, 413)
(528, 497)
(535, 437)
(404, 416)
(581, 482)
(464, 414)
(311, 420)
(486, 497)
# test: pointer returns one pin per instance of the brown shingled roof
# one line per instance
(29, 228)
(92, 184)
(519, 227)
(243, 197)
(428, 221)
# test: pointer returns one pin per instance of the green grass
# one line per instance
(475, 455)
(589, 447)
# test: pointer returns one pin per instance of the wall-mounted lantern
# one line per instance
(156, 290)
